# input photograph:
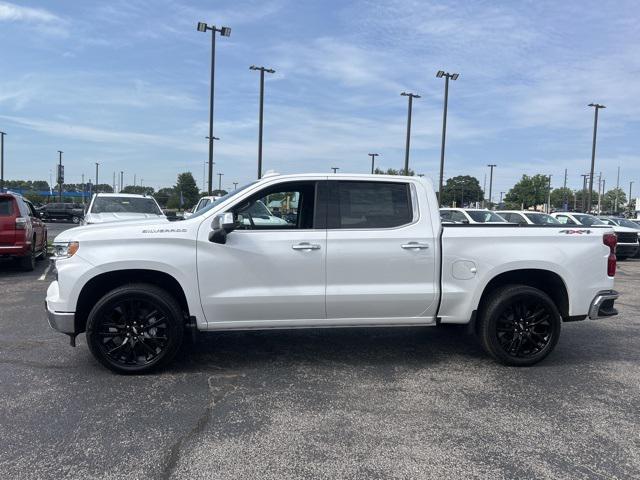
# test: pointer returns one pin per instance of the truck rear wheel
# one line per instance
(28, 262)
(135, 328)
(519, 325)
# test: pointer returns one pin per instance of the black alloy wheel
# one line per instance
(135, 329)
(519, 325)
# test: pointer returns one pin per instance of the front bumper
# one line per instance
(63, 322)
(602, 304)
(626, 249)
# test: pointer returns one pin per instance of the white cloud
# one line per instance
(47, 22)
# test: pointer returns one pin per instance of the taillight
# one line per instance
(610, 240)
(21, 223)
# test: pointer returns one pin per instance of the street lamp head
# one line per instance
(440, 74)
(253, 67)
(225, 31)
(596, 105)
(455, 76)
(202, 27)
(405, 94)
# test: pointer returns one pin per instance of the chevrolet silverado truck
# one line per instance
(355, 251)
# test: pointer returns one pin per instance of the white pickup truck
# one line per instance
(353, 251)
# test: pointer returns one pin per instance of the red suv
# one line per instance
(22, 234)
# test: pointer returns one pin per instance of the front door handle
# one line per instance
(306, 246)
(415, 246)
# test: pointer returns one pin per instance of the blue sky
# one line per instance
(125, 83)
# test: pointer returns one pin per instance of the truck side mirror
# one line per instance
(222, 224)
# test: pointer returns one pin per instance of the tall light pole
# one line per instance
(617, 190)
(501, 194)
(220, 182)
(262, 71)
(2, 134)
(97, 165)
(630, 185)
(121, 180)
(60, 175)
(373, 158)
(409, 111)
(235, 185)
(549, 195)
(491, 166)
(335, 169)
(447, 76)
(224, 32)
(596, 107)
(211, 139)
(584, 190)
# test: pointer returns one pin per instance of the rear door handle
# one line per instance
(415, 246)
(306, 246)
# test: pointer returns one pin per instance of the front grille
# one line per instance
(627, 237)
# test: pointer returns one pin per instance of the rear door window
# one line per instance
(372, 205)
(6, 206)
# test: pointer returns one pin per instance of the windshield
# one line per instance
(588, 220)
(623, 222)
(484, 216)
(125, 205)
(542, 219)
(224, 198)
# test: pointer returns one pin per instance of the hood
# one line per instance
(102, 230)
(93, 218)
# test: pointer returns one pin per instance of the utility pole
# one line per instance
(409, 112)
(501, 193)
(599, 187)
(114, 182)
(447, 76)
(484, 190)
(121, 180)
(97, 165)
(60, 175)
(220, 182)
(262, 71)
(491, 166)
(224, 32)
(565, 203)
(373, 157)
(549, 195)
(617, 190)
(335, 169)
(630, 185)
(597, 107)
(235, 185)
(2, 134)
(584, 190)
(134, 179)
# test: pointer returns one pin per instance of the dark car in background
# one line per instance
(23, 235)
(68, 212)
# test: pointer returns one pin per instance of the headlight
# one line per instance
(65, 249)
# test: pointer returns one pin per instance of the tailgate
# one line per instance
(7, 221)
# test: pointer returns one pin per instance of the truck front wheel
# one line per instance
(519, 325)
(135, 328)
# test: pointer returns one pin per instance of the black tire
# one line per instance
(519, 325)
(28, 262)
(135, 329)
(43, 251)
(75, 219)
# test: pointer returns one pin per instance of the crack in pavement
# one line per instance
(218, 393)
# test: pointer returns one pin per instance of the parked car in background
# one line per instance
(23, 235)
(363, 250)
(627, 237)
(470, 215)
(622, 222)
(203, 202)
(118, 207)
(526, 217)
(68, 212)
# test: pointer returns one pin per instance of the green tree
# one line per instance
(530, 191)
(187, 185)
(163, 195)
(609, 200)
(463, 190)
(561, 195)
(219, 193)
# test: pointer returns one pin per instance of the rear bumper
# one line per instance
(602, 304)
(15, 250)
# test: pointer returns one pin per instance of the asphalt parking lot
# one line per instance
(375, 403)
